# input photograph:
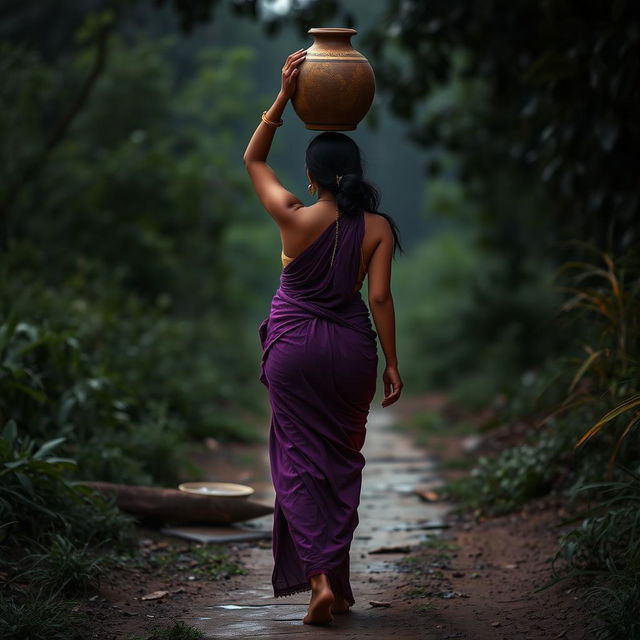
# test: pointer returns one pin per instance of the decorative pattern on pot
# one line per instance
(336, 84)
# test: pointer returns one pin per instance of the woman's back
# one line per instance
(314, 220)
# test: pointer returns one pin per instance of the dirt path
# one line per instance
(453, 576)
(472, 579)
(391, 515)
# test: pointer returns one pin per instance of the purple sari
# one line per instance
(319, 364)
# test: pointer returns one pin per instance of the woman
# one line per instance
(319, 358)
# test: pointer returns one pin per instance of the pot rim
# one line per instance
(331, 30)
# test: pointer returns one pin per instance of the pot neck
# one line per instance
(332, 38)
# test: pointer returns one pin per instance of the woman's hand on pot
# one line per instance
(290, 73)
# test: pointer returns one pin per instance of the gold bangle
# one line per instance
(271, 123)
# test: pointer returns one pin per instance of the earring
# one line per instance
(311, 189)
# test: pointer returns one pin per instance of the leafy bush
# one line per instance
(604, 310)
(545, 463)
(56, 537)
(37, 498)
(604, 547)
(54, 386)
(127, 259)
(584, 435)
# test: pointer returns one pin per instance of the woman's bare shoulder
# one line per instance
(378, 226)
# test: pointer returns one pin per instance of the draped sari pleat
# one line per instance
(319, 364)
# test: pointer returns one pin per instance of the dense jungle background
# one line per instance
(136, 262)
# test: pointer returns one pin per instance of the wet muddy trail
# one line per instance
(430, 573)
(392, 520)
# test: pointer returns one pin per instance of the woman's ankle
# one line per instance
(320, 582)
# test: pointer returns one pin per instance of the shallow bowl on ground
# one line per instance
(217, 489)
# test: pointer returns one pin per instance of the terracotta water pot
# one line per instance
(336, 84)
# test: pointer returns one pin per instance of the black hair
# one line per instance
(334, 161)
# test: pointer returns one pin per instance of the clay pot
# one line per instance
(335, 85)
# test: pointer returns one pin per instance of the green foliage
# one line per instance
(51, 384)
(143, 188)
(606, 296)
(616, 606)
(208, 561)
(122, 312)
(39, 617)
(53, 538)
(62, 566)
(538, 64)
(37, 499)
(604, 546)
(428, 332)
(212, 562)
(501, 484)
(603, 309)
(466, 316)
(428, 421)
(607, 534)
(106, 341)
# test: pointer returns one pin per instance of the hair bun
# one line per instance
(349, 182)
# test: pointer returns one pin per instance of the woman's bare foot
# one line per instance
(322, 600)
(340, 606)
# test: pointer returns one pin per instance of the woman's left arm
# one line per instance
(280, 203)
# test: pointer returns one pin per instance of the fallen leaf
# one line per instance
(378, 603)
(158, 546)
(427, 494)
(155, 595)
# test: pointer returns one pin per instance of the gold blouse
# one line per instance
(363, 269)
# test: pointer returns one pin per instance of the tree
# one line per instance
(561, 84)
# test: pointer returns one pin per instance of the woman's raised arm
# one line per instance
(279, 202)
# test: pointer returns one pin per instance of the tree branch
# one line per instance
(56, 136)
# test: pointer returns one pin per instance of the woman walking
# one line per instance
(320, 359)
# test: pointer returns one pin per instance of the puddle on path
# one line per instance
(415, 526)
(239, 606)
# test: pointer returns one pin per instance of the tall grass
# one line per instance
(605, 296)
